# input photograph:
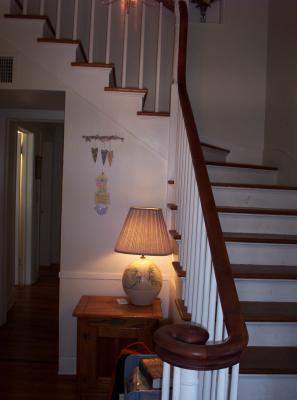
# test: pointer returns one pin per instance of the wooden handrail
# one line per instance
(184, 353)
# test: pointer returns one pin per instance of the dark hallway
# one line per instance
(29, 344)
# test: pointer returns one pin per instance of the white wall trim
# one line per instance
(97, 275)
(67, 366)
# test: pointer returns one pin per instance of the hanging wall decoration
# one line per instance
(94, 153)
(110, 157)
(102, 197)
(104, 153)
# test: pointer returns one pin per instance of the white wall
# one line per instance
(138, 174)
(226, 78)
(281, 121)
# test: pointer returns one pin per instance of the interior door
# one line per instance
(26, 228)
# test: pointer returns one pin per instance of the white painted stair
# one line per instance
(259, 222)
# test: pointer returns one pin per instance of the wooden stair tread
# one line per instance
(256, 210)
(92, 65)
(172, 206)
(262, 311)
(154, 113)
(182, 310)
(248, 271)
(260, 238)
(174, 234)
(125, 90)
(28, 16)
(238, 165)
(269, 360)
(214, 147)
(252, 186)
(178, 269)
(62, 40)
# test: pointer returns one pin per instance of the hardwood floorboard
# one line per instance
(29, 344)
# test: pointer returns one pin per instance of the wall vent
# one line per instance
(6, 69)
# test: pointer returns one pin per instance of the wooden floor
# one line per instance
(29, 344)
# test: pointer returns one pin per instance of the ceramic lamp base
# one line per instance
(142, 282)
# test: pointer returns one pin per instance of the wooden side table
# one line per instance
(104, 328)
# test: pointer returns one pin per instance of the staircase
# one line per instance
(257, 216)
(259, 223)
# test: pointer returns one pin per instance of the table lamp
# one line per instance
(144, 232)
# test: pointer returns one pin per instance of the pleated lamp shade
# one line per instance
(144, 232)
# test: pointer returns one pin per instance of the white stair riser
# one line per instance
(214, 154)
(272, 333)
(266, 289)
(247, 197)
(267, 387)
(241, 175)
(262, 253)
(24, 31)
(254, 223)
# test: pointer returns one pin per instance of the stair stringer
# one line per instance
(56, 58)
(137, 177)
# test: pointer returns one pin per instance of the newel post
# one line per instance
(176, 344)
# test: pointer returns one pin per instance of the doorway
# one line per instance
(34, 199)
(26, 229)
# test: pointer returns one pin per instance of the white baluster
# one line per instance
(221, 384)
(194, 224)
(92, 29)
(182, 199)
(201, 261)
(176, 43)
(186, 236)
(58, 26)
(213, 385)
(219, 322)
(75, 20)
(141, 59)
(25, 7)
(41, 9)
(178, 167)
(189, 384)
(234, 382)
(125, 49)
(227, 383)
(176, 383)
(201, 376)
(212, 306)
(108, 33)
(184, 281)
(159, 50)
(189, 208)
(197, 264)
(165, 381)
(207, 385)
(206, 291)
